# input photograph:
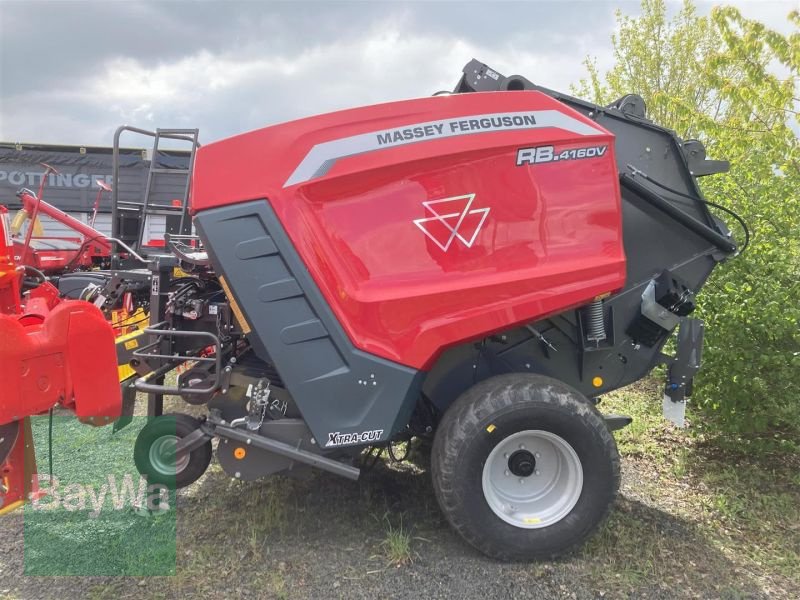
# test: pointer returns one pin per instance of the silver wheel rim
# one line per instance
(162, 456)
(545, 496)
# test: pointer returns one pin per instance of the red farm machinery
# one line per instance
(56, 255)
(477, 267)
(53, 352)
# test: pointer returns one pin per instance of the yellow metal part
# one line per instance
(19, 220)
(126, 344)
(28, 469)
(237, 312)
(124, 372)
(10, 507)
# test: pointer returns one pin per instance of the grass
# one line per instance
(735, 511)
(87, 523)
(628, 549)
(277, 585)
(397, 543)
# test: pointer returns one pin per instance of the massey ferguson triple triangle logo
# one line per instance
(452, 218)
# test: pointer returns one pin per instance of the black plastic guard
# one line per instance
(347, 397)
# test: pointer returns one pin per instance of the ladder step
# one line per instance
(171, 171)
(163, 209)
(177, 131)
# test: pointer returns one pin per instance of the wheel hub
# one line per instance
(522, 463)
(532, 479)
(163, 458)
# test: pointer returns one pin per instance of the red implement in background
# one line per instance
(53, 255)
(53, 352)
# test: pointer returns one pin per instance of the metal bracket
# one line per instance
(128, 404)
(282, 449)
(654, 311)
(195, 439)
(682, 369)
(186, 253)
(616, 422)
(700, 166)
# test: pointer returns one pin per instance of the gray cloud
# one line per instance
(70, 72)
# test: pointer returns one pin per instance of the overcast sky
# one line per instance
(71, 72)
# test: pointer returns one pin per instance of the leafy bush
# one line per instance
(733, 84)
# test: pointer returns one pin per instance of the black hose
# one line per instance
(698, 199)
(131, 323)
(371, 458)
(83, 246)
(50, 446)
(42, 277)
(31, 284)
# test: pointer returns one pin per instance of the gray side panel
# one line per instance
(337, 388)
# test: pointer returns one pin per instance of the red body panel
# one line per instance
(66, 355)
(51, 351)
(10, 274)
(408, 276)
(18, 470)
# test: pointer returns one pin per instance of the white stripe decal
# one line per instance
(322, 157)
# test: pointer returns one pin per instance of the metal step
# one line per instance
(172, 171)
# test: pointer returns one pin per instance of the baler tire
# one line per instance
(175, 425)
(485, 417)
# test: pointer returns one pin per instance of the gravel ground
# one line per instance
(325, 538)
(689, 522)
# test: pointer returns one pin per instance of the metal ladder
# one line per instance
(148, 207)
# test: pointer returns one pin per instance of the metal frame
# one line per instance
(159, 335)
(186, 135)
(175, 244)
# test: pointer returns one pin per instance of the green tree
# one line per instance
(732, 83)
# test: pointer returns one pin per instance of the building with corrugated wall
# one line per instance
(74, 189)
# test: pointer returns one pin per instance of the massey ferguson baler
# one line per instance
(478, 266)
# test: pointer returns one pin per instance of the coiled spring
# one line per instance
(595, 321)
